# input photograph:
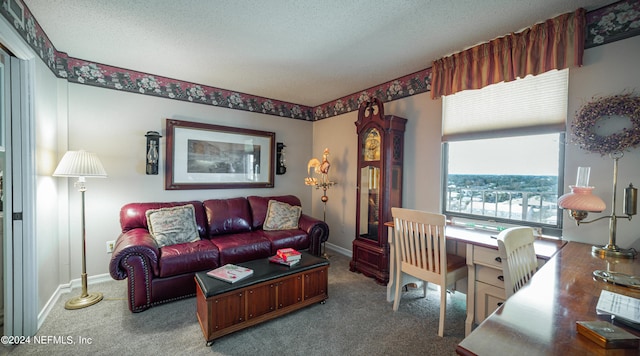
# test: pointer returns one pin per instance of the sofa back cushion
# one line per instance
(133, 215)
(281, 216)
(172, 226)
(259, 206)
(227, 216)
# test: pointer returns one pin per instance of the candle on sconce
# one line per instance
(582, 179)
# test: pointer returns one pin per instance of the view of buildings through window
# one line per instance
(513, 179)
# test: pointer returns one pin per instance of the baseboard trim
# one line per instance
(65, 289)
(338, 249)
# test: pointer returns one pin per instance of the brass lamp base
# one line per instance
(618, 278)
(613, 251)
(83, 301)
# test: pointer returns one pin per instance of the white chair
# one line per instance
(421, 251)
(519, 262)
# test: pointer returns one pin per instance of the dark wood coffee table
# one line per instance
(273, 290)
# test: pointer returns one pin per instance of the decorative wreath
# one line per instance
(585, 123)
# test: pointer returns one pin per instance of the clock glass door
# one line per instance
(370, 185)
(369, 202)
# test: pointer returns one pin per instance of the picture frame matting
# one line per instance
(207, 156)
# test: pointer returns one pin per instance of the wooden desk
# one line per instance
(540, 319)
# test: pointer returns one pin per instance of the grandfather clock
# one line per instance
(380, 156)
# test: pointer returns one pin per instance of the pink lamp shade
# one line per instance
(581, 199)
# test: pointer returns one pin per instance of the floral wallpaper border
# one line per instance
(607, 24)
(101, 75)
(613, 22)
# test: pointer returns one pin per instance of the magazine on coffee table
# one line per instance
(230, 273)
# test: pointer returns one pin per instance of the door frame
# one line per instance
(20, 258)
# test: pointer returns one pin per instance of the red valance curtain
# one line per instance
(554, 44)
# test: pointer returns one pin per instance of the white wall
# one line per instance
(338, 134)
(609, 69)
(113, 124)
(47, 199)
(421, 183)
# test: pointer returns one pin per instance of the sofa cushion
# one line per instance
(242, 247)
(281, 216)
(259, 206)
(174, 225)
(227, 216)
(294, 238)
(188, 257)
(133, 215)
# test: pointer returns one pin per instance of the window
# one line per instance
(504, 152)
(513, 180)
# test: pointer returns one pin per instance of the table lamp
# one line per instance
(581, 201)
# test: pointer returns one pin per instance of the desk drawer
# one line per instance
(487, 257)
(488, 299)
(488, 275)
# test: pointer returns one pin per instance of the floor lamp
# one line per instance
(81, 164)
(321, 168)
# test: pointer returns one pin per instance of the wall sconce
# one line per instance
(281, 166)
(580, 202)
(153, 142)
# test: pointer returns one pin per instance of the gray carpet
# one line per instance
(355, 320)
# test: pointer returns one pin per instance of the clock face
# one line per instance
(372, 145)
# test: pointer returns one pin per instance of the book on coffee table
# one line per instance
(289, 254)
(230, 273)
(277, 259)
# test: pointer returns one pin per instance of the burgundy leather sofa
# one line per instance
(230, 232)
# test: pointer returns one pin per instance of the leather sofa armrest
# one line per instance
(135, 242)
(317, 230)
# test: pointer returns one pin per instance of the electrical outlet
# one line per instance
(110, 246)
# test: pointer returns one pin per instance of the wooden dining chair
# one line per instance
(518, 256)
(421, 251)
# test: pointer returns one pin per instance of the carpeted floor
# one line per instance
(355, 320)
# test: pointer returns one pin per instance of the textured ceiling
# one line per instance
(300, 51)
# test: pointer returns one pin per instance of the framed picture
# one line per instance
(204, 156)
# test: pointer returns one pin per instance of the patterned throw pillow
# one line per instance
(281, 216)
(174, 225)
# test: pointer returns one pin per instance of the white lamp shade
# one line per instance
(80, 164)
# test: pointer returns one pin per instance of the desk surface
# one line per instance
(545, 248)
(540, 319)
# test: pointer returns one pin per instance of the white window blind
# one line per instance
(535, 104)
